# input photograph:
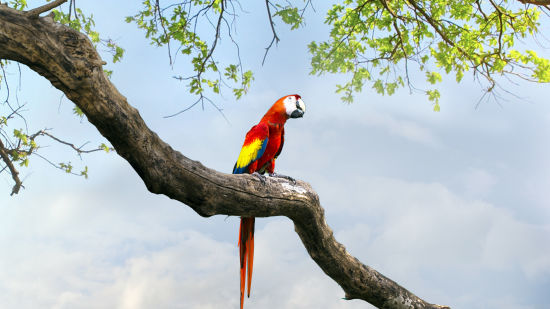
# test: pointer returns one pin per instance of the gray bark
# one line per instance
(69, 61)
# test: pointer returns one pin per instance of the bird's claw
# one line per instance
(284, 177)
(260, 177)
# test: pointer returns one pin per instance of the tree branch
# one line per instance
(13, 171)
(78, 150)
(272, 24)
(536, 2)
(70, 62)
(41, 9)
(159, 12)
(435, 24)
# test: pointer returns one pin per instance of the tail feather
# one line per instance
(250, 255)
(246, 253)
(242, 286)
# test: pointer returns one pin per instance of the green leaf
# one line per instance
(24, 162)
(433, 77)
(290, 16)
(105, 147)
(77, 111)
(84, 172)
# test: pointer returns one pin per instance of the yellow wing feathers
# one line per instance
(253, 148)
(249, 153)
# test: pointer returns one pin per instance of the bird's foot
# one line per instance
(283, 176)
(260, 177)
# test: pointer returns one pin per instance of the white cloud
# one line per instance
(477, 182)
(416, 229)
(512, 243)
(131, 258)
(427, 217)
(407, 129)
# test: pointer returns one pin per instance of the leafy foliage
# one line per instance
(374, 43)
(22, 146)
(179, 23)
(289, 15)
(378, 41)
(18, 4)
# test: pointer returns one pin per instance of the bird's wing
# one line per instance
(253, 147)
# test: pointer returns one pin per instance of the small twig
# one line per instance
(187, 108)
(79, 150)
(13, 171)
(400, 43)
(7, 85)
(308, 2)
(74, 9)
(216, 38)
(200, 100)
(203, 64)
(220, 110)
(238, 50)
(480, 10)
(57, 165)
(15, 112)
(436, 26)
(159, 11)
(272, 24)
(499, 14)
(70, 8)
(41, 9)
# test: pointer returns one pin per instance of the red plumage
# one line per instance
(262, 145)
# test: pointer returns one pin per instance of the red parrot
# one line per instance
(262, 145)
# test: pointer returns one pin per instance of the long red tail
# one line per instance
(246, 252)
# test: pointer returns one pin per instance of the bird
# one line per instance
(262, 145)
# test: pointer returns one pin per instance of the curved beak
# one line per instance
(297, 114)
(300, 109)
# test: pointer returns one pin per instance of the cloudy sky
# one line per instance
(452, 205)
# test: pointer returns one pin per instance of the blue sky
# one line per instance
(452, 205)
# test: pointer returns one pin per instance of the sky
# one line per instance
(451, 205)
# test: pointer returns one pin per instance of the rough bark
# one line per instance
(536, 2)
(69, 61)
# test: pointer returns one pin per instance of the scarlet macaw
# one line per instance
(262, 145)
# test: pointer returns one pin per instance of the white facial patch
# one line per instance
(290, 104)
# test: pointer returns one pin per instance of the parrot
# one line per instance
(262, 145)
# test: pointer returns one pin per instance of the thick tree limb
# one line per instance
(69, 61)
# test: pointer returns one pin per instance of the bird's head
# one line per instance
(290, 106)
(294, 106)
